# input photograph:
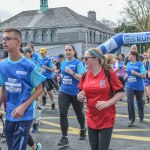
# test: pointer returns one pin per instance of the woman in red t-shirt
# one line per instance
(96, 87)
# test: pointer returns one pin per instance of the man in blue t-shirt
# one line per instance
(18, 77)
(47, 68)
(36, 58)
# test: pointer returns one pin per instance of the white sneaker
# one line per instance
(38, 146)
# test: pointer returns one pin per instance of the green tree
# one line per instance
(125, 28)
(138, 13)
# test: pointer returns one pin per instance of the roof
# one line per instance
(52, 18)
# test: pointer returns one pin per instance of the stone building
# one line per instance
(55, 27)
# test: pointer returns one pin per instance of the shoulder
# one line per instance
(140, 63)
(30, 63)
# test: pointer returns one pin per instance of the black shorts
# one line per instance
(50, 84)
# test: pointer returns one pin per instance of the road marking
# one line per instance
(75, 131)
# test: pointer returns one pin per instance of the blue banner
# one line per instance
(117, 41)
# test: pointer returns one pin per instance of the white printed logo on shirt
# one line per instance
(24, 73)
(102, 83)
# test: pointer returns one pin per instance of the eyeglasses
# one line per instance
(86, 58)
(8, 39)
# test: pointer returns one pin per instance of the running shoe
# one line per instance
(38, 146)
(82, 134)
(35, 128)
(63, 142)
(130, 123)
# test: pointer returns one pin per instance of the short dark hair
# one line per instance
(16, 31)
(60, 56)
(27, 50)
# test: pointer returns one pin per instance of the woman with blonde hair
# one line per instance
(97, 87)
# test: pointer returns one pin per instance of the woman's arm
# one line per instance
(105, 104)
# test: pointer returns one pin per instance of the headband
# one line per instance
(95, 54)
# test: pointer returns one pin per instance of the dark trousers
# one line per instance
(64, 101)
(17, 134)
(99, 138)
(130, 99)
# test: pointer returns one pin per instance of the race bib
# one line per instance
(13, 87)
(132, 79)
(66, 80)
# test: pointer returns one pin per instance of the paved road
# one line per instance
(123, 138)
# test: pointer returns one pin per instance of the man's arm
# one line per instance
(19, 111)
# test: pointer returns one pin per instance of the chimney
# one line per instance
(92, 15)
(43, 6)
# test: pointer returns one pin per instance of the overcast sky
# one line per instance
(109, 9)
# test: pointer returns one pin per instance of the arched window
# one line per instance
(36, 37)
(90, 36)
(94, 36)
(44, 37)
(100, 38)
(103, 37)
(53, 36)
(27, 37)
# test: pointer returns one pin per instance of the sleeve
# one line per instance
(115, 82)
(39, 58)
(142, 69)
(80, 85)
(51, 65)
(1, 80)
(80, 68)
(36, 77)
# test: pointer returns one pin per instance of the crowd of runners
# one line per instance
(28, 79)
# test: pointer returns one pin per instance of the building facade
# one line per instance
(55, 27)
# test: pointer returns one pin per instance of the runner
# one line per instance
(71, 70)
(47, 67)
(102, 89)
(135, 86)
(18, 77)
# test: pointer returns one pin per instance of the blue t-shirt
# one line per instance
(19, 79)
(147, 79)
(135, 82)
(69, 84)
(36, 57)
(47, 62)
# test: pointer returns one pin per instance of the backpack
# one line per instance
(107, 73)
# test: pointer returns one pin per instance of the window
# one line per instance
(27, 37)
(44, 37)
(36, 37)
(53, 36)
(90, 36)
(100, 38)
(94, 36)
